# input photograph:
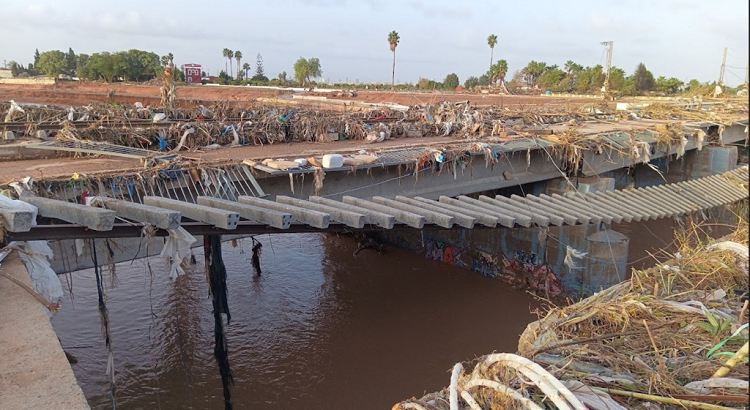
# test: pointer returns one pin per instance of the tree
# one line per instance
(471, 82)
(259, 71)
(228, 54)
(36, 57)
(572, 68)
(305, 69)
(532, 72)
(53, 63)
(131, 65)
(693, 85)
(282, 77)
(71, 60)
(166, 59)
(245, 68)
(643, 79)
(15, 69)
(616, 78)
(238, 57)
(491, 41)
(668, 85)
(551, 79)
(451, 81)
(498, 71)
(393, 40)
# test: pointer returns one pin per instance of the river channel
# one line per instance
(320, 329)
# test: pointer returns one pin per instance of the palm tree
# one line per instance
(226, 53)
(491, 41)
(230, 57)
(393, 40)
(238, 57)
(246, 67)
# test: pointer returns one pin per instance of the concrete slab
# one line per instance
(98, 219)
(383, 220)
(219, 218)
(313, 218)
(34, 372)
(280, 220)
(16, 220)
(159, 217)
(353, 219)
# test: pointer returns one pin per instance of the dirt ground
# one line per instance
(82, 93)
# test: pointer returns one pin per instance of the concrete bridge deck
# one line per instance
(288, 214)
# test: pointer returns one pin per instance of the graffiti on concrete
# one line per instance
(449, 254)
(533, 272)
(484, 263)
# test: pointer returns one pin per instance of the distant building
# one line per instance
(192, 73)
(5, 73)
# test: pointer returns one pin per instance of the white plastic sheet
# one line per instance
(37, 257)
(177, 248)
(593, 399)
(13, 108)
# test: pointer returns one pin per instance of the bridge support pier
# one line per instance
(572, 260)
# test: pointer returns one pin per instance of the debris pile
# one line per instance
(674, 336)
(162, 129)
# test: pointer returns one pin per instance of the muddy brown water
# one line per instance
(320, 329)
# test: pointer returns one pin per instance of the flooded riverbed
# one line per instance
(321, 329)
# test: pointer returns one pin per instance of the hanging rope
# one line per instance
(104, 318)
(256, 255)
(217, 280)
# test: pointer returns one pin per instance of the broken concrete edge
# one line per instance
(32, 375)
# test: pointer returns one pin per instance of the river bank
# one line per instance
(658, 340)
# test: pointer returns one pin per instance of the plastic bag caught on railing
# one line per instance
(177, 248)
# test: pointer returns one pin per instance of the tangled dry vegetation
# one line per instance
(664, 339)
(257, 124)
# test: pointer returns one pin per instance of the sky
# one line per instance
(673, 38)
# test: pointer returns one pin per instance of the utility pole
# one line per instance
(609, 45)
(723, 67)
(719, 84)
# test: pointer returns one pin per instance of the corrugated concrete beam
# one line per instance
(719, 183)
(627, 215)
(313, 218)
(546, 211)
(219, 218)
(608, 216)
(504, 219)
(622, 207)
(687, 192)
(405, 217)
(270, 217)
(353, 219)
(650, 203)
(680, 204)
(98, 219)
(438, 219)
(634, 203)
(510, 208)
(483, 218)
(594, 217)
(582, 217)
(378, 218)
(460, 219)
(159, 217)
(16, 219)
